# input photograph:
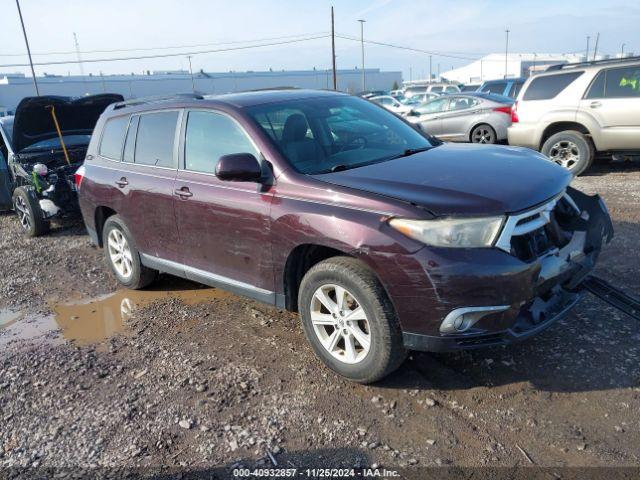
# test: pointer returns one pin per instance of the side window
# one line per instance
(549, 86)
(130, 142)
(436, 89)
(273, 122)
(622, 82)
(434, 106)
(497, 87)
(156, 135)
(462, 103)
(113, 137)
(515, 89)
(209, 136)
(596, 90)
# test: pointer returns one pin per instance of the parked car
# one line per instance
(471, 117)
(39, 157)
(419, 98)
(572, 112)
(509, 87)
(372, 93)
(412, 90)
(391, 104)
(384, 239)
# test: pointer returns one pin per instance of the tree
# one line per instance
(395, 86)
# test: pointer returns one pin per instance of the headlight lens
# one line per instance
(451, 232)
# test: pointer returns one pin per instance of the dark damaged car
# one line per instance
(384, 239)
(41, 147)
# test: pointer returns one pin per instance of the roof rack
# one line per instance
(158, 99)
(561, 66)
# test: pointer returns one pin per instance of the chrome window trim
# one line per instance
(511, 227)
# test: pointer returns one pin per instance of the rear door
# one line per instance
(223, 226)
(613, 100)
(455, 121)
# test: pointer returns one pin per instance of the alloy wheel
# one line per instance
(565, 153)
(120, 253)
(340, 323)
(482, 135)
(22, 210)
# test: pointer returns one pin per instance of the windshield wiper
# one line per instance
(410, 151)
(339, 168)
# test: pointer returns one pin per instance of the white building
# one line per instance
(14, 87)
(493, 66)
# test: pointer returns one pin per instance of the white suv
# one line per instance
(573, 111)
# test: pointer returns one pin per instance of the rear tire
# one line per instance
(484, 134)
(123, 257)
(361, 341)
(27, 207)
(570, 149)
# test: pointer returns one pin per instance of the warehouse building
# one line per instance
(14, 87)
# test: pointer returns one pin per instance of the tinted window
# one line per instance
(497, 87)
(622, 82)
(547, 87)
(130, 142)
(436, 89)
(113, 137)
(515, 89)
(462, 103)
(154, 142)
(210, 136)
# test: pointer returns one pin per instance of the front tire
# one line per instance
(123, 257)
(27, 208)
(349, 320)
(570, 149)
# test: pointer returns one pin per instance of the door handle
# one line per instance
(122, 182)
(595, 104)
(89, 157)
(183, 192)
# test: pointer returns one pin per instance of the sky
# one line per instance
(458, 28)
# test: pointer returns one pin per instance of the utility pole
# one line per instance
(595, 48)
(587, 55)
(362, 46)
(533, 71)
(622, 51)
(481, 73)
(438, 72)
(26, 41)
(430, 70)
(410, 74)
(75, 41)
(506, 54)
(333, 51)
(193, 83)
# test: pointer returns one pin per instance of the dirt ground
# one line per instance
(183, 376)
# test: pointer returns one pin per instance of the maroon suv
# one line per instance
(383, 238)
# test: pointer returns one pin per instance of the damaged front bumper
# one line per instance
(523, 297)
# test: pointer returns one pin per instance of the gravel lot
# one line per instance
(200, 379)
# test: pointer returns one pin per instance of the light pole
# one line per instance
(26, 41)
(622, 51)
(193, 83)
(430, 71)
(506, 54)
(587, 55)
(362, 48)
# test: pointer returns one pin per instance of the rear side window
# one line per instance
(616, 83)
(515, 89)
(155, 139)
(210, 136)
(547, 87)
(113, 137)
(436, 89)
(497, 87)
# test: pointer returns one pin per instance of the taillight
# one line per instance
(78, 176)
(506, 110)
(514, 113)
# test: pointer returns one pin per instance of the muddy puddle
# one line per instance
(91, 320)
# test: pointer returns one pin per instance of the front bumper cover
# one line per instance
(556, 287)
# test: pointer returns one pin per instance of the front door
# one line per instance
(430, 115)
(223, 226)
(455, 120)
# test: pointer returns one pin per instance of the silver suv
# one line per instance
(573, 111)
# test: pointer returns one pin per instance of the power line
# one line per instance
(146, 49)
(165, 55)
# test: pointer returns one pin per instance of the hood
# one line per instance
(459, 179)
(33, 122)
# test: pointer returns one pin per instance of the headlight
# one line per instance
(451, 232)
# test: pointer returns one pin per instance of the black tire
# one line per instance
(570, 149)
(484, 134)
(27, 208)
(139, 276)
(386, 351)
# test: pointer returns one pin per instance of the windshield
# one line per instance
(70, 141)
(7, 128)
(326, 134)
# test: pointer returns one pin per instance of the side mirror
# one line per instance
(239, 167)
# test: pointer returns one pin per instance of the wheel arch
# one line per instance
(557, 127)
(102, 213)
